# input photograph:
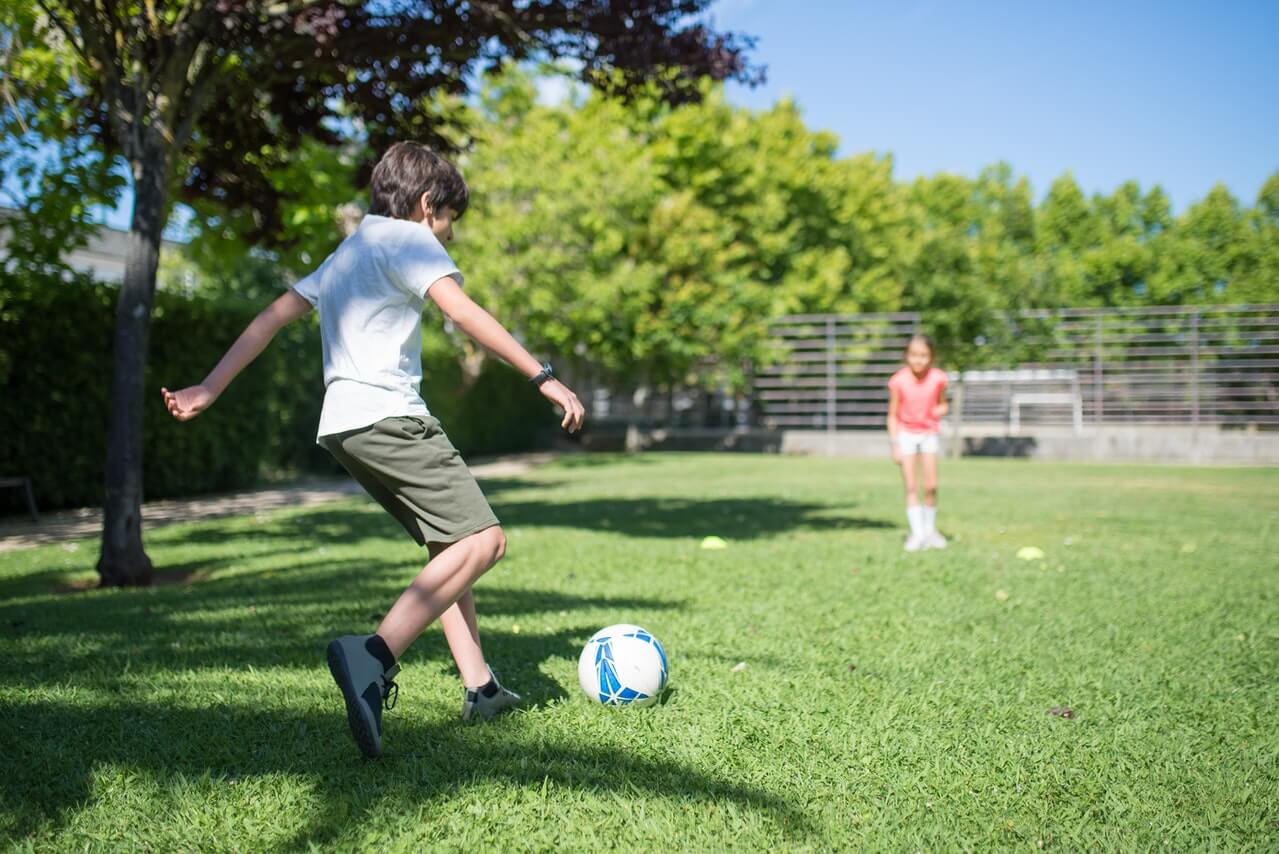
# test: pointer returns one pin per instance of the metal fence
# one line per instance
(1216, 365)
(836, 369)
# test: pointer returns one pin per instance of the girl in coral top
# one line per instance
(916, 405)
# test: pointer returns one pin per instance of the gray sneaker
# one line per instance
(365, 687)
(477, 705)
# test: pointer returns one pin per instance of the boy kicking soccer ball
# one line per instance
(370, 294)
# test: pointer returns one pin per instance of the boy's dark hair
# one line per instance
(405, 172)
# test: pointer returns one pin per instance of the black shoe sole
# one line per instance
(361, 728)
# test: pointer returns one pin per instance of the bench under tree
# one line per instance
(23, 483)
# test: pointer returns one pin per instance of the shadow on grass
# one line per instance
(602, 459)
(354, 524)
(111, 641)
(655, 517)
(281, 614)
(280, 617)
(737, 518)
(53, 751)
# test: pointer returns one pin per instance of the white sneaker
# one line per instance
(915, 542)
(934, 541)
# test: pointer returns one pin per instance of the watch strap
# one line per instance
(546, 373)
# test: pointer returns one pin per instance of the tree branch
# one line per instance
(186, 35)
(66, 31)
(96, 57)
(200, 90)
(498, 14)
(8, 94)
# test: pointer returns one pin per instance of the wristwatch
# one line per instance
(547, 373)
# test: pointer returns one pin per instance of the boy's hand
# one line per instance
(184, 404)
(560, 395)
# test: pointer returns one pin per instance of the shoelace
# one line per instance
(390, 690)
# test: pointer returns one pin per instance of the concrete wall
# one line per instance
(1135, 443)
(1119, 443)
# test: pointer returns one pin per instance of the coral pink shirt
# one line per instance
(916, 399)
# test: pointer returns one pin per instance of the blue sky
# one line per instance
(1183, 94)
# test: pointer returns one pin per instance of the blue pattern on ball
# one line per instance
(611, 692)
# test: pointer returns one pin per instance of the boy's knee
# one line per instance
(495, 541)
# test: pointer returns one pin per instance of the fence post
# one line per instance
(1194, 368)
(957, 431)
(1099, 388)
(830, 378)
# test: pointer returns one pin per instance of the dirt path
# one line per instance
(65, 525)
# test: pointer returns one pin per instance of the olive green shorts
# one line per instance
(410, 467)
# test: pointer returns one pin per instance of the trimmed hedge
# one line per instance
(55, 385)
(55, 369)
(499, 413)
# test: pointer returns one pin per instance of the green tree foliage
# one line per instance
(653, 241)
(49, 174)
(212, 99)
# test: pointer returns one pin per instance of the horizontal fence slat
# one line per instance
(1165, 364)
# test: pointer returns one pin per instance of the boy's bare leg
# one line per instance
(461, 630)
(444, 580)
(483, 697)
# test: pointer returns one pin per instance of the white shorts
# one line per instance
(917, 443)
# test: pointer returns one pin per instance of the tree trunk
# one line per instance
(123, 562)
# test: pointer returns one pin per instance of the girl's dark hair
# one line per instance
(926, 340)
(405, 172)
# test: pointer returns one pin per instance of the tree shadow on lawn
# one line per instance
(649, 517)
(283, 618)
(735, 518)
(601, 459)
(53, 751)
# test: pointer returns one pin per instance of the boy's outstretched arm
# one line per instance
(492, 336)
(186, 403)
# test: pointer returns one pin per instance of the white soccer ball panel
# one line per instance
(622, 665)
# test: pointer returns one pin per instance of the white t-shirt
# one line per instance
(370, 294)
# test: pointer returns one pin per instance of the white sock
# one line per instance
(915, 515)
(929, 519)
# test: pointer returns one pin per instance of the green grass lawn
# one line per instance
(888, 701)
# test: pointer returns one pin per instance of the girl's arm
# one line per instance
(187, 403)
(894, 398)
(492, 336)
(942, 409)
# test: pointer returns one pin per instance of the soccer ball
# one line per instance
(622, 665)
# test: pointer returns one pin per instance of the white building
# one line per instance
(102, 257)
